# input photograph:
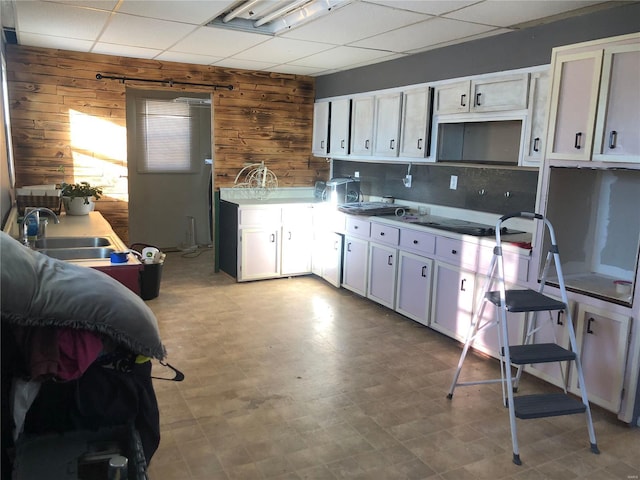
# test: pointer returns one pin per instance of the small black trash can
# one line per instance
(150, 275)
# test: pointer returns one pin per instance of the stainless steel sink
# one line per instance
(72, 242)
(79, 253)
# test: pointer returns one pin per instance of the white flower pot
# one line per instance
(77, 205)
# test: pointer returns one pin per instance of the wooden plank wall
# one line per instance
(266, 117)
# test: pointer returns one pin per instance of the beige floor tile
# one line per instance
(295, 379)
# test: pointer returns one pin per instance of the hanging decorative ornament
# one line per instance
(256, 180)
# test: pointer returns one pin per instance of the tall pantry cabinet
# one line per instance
(589, 191)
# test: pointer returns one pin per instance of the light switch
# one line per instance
(453, 183)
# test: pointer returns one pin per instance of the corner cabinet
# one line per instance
(320, 142)
(537, 117)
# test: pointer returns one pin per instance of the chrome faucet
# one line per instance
(23, 224)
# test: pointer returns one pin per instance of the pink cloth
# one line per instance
(78, 349)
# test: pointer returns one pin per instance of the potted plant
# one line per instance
(78, 198)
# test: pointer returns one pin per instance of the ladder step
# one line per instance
(546, 405)
(539, 353)
(525, 301)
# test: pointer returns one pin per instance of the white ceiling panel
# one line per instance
(215, 41)
(62, 43)
(195, 12)
(430, 7)
(283, 50)
(353, 22)
(59, 20)
(364, 31)
(144, 32)
(125, 51)
(505, 13)
(340, 57)
(424, 34)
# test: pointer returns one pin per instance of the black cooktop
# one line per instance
(464, 227)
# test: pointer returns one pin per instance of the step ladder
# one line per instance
(529, 302)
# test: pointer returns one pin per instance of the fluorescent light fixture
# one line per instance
(270, 18)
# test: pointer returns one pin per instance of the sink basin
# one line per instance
(80, 253)
(72, 242)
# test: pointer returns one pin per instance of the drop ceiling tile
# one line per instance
(431, 7)
(353, 22)
(182, 57)
(125, 50)
(144, 32)
(422, 35)
(60, 20)
(107, 5)
(341, 57)
(297, 70)
(49, 41)
(195, 12)
(505, 13)
(218, 42)
(244, 64)
(491, 33)
(282, 50)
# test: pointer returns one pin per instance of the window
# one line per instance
(167, 134)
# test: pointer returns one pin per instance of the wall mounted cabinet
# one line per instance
(387, 125)
(320, 142)
(339, 127)
(416, 119)
(362, 109)
(536, 118)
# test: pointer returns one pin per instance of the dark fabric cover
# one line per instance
(38, 290)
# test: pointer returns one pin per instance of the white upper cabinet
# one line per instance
(387, 124)
(415, 130)
(452, 98)
(573, 105)
(362, 126)
(339, 127)
(536, 118)
(320, 128)
(487, 94)
(617, 136)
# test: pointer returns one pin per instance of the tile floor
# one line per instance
(295, 379)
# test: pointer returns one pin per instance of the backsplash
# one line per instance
(493, 190)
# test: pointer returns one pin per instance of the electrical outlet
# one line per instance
(453, 183)
(356, 175)
(407, 181)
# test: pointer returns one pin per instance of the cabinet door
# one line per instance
(354, 266)
(500, 93)
(297, 239)
(452, 98)
(573, 105)
(382, 274)
(332, 259)
(452, 300)
(339, 129)
(414, 286)
(415, 123)
(536, 118)
(320, 128)
(362, 126)
(602, 344)
(618, 125)
(259, 254)
(387, 129)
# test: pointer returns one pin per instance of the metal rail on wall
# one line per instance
(171, 83)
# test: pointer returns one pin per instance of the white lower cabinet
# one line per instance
(327, 257)
(354, 266)
(413, 292)
(452, 300)
(297, 238)
(382, 274)
(602, 338)
(259, 253)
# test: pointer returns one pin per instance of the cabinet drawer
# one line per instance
(358, 227)
(258, 216)
(385, 234)
(516, 267)
(457, 252)
(419, 242)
